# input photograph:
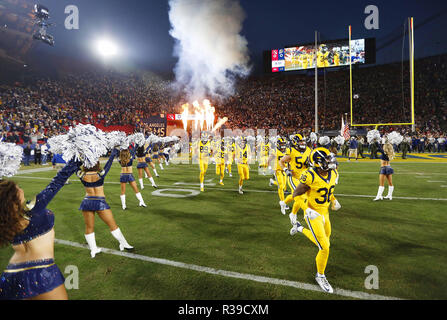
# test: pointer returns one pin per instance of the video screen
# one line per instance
(333, 54)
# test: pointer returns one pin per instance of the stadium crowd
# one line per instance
(30, 113)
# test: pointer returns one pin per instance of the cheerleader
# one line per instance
(32, 272)
(126, 161)
(94, 201)
(143, 167)
(386, 172)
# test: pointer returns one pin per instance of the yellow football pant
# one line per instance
(230, 163)
(244, 173)
(319, 232)
(300, 201)
(203, 169)
(220, 170)
(281, 183)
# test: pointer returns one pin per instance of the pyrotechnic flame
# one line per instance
(185, 114)
(203, 115)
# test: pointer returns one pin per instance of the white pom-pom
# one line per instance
(373, 136)
(324, 140)
(395, 137)
(83, 142)
(153, 139)
(10, 159)
(313, 137)
(117, 139)
(137, 138)
(339, 140)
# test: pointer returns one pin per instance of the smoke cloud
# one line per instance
(211, 52)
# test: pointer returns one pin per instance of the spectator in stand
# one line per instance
(26, 154)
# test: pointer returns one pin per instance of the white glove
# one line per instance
(288, 172)
(335, 205)
(312, 214)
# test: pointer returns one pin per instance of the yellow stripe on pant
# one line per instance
(319, 233)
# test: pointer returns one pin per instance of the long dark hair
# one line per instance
(11, 212)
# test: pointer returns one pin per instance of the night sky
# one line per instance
(142, 27)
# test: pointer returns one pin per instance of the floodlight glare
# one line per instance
(106, 48)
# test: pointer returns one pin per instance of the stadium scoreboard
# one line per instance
(335, 53)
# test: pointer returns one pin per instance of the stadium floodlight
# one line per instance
(41, 15)
(106, 48)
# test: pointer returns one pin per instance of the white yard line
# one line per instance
(231, 274)
(251, 190)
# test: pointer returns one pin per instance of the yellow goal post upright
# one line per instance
(411, 59)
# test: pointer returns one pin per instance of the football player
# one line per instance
(318, 183)
(204, 156)
(231, 153)
(264, 154)
(220, 156)
(294, 163)
(280, 177)
(242, 157)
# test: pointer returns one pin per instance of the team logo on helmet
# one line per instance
(320, 158)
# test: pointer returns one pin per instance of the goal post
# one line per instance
(411, 60)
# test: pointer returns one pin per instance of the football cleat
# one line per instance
(324, 284)
(221, 183)
(378, 198)
(271, 182)
(230, 175)
(295, 228)
(202, 189)
(388, 197)
(142, 204)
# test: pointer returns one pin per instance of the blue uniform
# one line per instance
(91, 203)
(32, 278)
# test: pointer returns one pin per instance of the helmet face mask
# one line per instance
(320, 158)
(281, 144)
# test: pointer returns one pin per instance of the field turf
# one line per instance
(218, 244)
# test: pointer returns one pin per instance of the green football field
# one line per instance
(223, 245)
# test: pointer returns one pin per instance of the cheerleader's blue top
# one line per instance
(383, 157)
(102, 174)
(41, 220)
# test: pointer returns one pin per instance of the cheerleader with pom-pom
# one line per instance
(386, 172)
(142, 166)
(94, 201)
(126, 160)
(32, 273)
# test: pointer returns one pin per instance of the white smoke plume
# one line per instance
(211, 52)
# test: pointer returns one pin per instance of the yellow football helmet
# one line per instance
(320, 158)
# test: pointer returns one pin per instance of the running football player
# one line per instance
(318, 183)
(294, 163)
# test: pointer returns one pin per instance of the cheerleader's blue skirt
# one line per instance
(94, 204)
(126, 177)
(387, 170)
(29, 279)
(141, 165)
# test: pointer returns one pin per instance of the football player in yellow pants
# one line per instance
(242, 155)
(220, 161)
(297, 159)
(318, 183)
(280, 177)
(204, 155)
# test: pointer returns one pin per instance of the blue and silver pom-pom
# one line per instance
(83, 143)
(10, 159)
(373, 136)
(394, 137)
(339, 140)
(325, 140)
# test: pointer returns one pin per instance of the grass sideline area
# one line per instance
(247, 234)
